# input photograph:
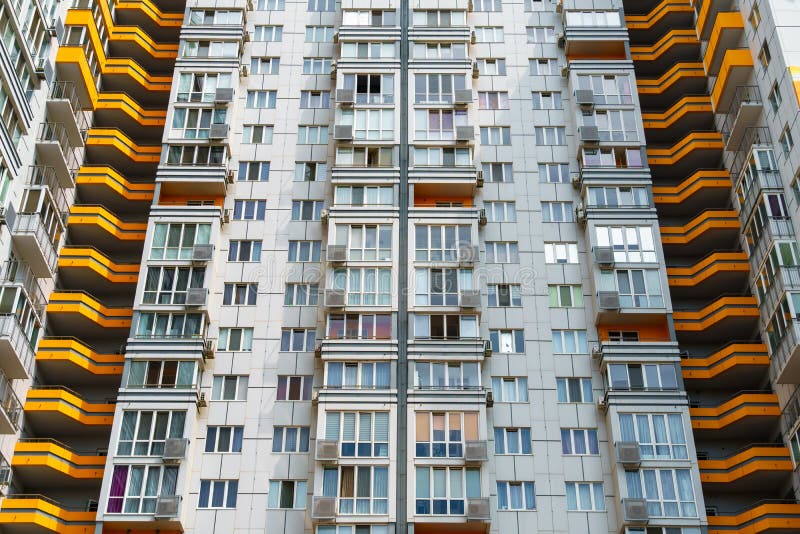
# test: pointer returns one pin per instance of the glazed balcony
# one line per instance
(41, 178)
(758, 246)
(786, 278)
(758, 465)
(712, 275)
(716, 323)
(710, 230)
(16, 348)
(71, 362)
(748, 413)
(785, 355)
(758, 136)
(46, 463)
(58, 412)
(706, 187)
(35, 514)
(763, 182)
(602, 37)
(733, 366)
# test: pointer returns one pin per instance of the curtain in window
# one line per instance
(380, 490)
(473, 479)
(651, 493)
(668, 493)
(134, 490)
(502, 495)
(363, 489)
(117, 491)
(381, 437)
(686, 493)
(627, 431)
(599, 499)
(349, 427)
(332, 425)
(300, 490)
(585, 496)
(382, 375)
(274, 493)
(170, 481)
(291, 439)
(334, 374)
(185, 374)
(367, 371)
(350, 375)
(136, 373)
(126, 433)
(572, 497)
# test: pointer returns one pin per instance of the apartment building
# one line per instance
(372, 267)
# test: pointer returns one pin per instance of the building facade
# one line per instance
(377, 267)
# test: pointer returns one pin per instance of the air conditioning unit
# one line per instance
(465, 133)
(343, 132)
(559, 6)
(218, 131)
(334, 298)
(223, 95)
(478, 509)
(230, 177)
(333, 70)
(628, 455)
(345, 97)
(244, 71)
(201, 401)
(580, 213)
(336, 37)
(467, 254)
(576, 181)
(318, 350)
(489, 399)
(476, 73)
(327, 450)
(561, 40)
(202, 253)
(476, 451)
(584, 98)
(5, 478)
(479, 178)
(209, 349)
(608, 300)
(167, 506)
(603, 256)
(589, 134)
(634, 511)
(473, 37)
(597, 351)
(487, 349)
(463, 96)
(323, 508)
(323, 216)
(601, 404)
(482, 220)
(226, 216)
(91, 505)
(336, 253)
(564, 71)
(470, 298)
(246, 37)
(175, 450)
(197, 296)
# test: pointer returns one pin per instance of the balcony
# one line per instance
(676, 46)
(464, 349)
(44, 178)
(748, 413)
(98, 227)
(88, 267)
(785, 356)
(594, 35)
(115, 148)
(763, 182)
(787, 278)
(684, 78)
(59, 412)
(726, 35)
(706, 187)
(689, 114)
(713, 275)
(710, 230)
(47, 463)
(16, 349)
(764, 517)
(697, 150)
(71, 362)
(69, 312)
(27, 514)
(64, 107)
(708, 12)
(776, 228)
(752, 137)
(162, 25)
(460, 181)
(745, 109)
(106, 186)
(758, 465)
(719, 321)
(735, 71)
(208, 180)
(54, 149)
(11, 407)
(611, 307)
(664, 16)
(36, 241)
(736, 364)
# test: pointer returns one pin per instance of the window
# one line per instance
(312, 135)
(227, 49)
(128, 493)
(309, 171)
(488, 5)
(569, 342)
(348, 529)
(294, 388)
(631, 244)
(453, 375)
(358, 375)
(201, 156)
(360, 434)
(637, 288)
(365, 17)
(265, 65)
(268, 33)
(315, 99)
(794, 445)
(169, 325)
(618, 157)
(224, 438)
(592, 19)
(574, 389)
(249, 210)
(371, 88)
(376, 50)
(614, 125)
(607, 89)
(201, 86)
(512, 441)
(319, 34)
(372, 156)
(502, 252)
(558, 212)
(623, 336)
(618, 197)
(498, 172)
(660, 436)
(287, 494)
(243, 294)
(316, 65)
(440, 243)
(489, 34)
(290, 439)
(505, 295)
(500, 211)
(510, 389)
(516, 496)
(257, 134)
(439, 18)
(585, 497)
(442, 434)
(634, 376)
(775, 98)
(561, 253)
(175, 241)
(298, 340)
(438, 124)
(362, 195)
(440, 51)
(544, 67)
(307, 210)
(764, 56)
(546, 100)
(169, 285)
(270, 5)
(445, 327)
(235, 339)
(143, 433)
(541, 34)
(360, 489)
(550, 135)
(565, 296)
(253, 171)
(507, 341)
(492, 67)
(365, 242)
(162, 374)
(441, 490)
(195, 123)
(229, 388)
(669, 492)
(492, 100)
(795, 187)
(261, 99)
(495, 135)
(359, 326)
(301, 295)
(786, 141)
(364, 286)
(554, 173)
(579, 441)
(301, 251)
(755, 16)
(441, 287)
(244, 250)
(368, 124)
(321, 5)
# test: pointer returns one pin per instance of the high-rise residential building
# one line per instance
(389, 267)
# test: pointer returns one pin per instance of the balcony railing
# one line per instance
(19, 272)
(9, 401)
(786, 279)
(32, 224)
(763, 180)
(19, 363)
(776, 228)
(745, 94)
(752, 137)
(43, 176)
